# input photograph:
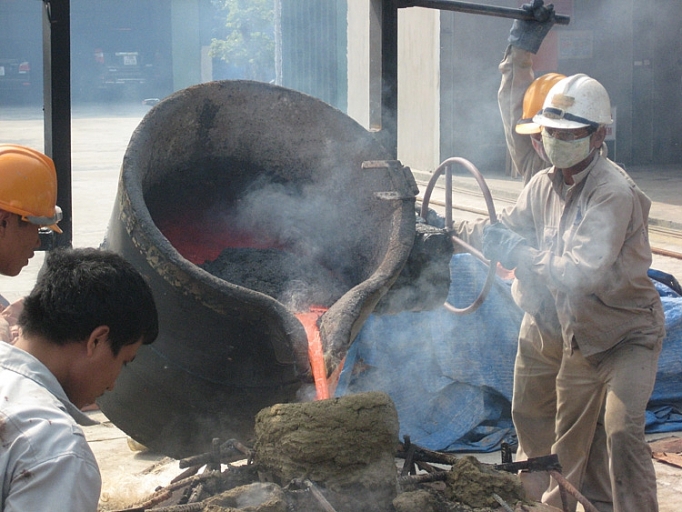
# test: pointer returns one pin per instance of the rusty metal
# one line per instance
(502, 503)
(439, 476)
(191, 507)
(570, 489)
(471, 8)
(506, 453)
(446, 167)
(153, 500)
(190, 471)
(425, 455)
(229, 451)
(309, 485)
(197, 494)
(166, 493)
(425, 466)
(544, 463)
(408, 465)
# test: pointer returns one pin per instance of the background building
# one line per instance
(447, 65)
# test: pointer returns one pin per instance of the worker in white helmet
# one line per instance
(579, 229)
(539, 350)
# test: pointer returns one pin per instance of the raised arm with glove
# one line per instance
(529, 34)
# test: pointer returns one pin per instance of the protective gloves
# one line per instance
(529, 34)
(502, 244)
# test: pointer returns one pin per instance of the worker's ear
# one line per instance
(4, 219)
(598, 137)
(98, 339)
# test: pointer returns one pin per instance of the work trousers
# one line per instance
(620, 380)
(534, 407)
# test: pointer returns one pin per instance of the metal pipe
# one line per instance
(468, 7)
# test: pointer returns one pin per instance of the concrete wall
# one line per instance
(419, 88)
(361, 20)
(418, 78)
(185, 43)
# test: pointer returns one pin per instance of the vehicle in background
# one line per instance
(15, 79)
(122, 75)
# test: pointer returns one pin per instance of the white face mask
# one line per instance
(539, 149)
(566, 153)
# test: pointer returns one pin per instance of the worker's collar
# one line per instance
(19, 361)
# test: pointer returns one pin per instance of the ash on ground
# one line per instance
(296, 281)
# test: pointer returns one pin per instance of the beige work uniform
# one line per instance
(539, 351)
(517, 74)
(592, 252)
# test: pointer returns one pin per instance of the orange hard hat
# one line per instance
(533, 100)
(28, 185)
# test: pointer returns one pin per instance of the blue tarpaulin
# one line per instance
(450, 376)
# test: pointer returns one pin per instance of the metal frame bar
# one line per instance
(389, 52)
(57, 116)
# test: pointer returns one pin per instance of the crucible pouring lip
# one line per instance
(244, 348)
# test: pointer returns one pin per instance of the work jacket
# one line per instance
(45, 460)
(591, 250)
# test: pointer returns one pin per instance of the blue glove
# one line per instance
(501, 244)
(529, 34)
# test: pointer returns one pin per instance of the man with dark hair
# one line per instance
(86, 317)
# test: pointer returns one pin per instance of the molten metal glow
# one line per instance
(315, 353)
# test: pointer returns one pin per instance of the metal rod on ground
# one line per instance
(326, 506)
(471, 8)
(422, 454)
(439, 476)
(166, 492)
(565, 484)
(408, 465)
(190, 471)
(192, 507)
(502, 503)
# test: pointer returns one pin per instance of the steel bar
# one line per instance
(470, 8)
(544, 463)
(424, 455)
(439, 476)
(565, 484)
(326, 506)
(502, 503)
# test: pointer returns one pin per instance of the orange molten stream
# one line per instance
(325, 387)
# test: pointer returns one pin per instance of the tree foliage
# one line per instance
(248, 43)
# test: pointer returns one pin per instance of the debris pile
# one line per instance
(336, 455)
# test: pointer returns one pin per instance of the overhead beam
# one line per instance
(387, 10)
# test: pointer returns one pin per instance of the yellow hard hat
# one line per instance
(533, 101)
(28, 185)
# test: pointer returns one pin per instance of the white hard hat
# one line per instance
(575, 102)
